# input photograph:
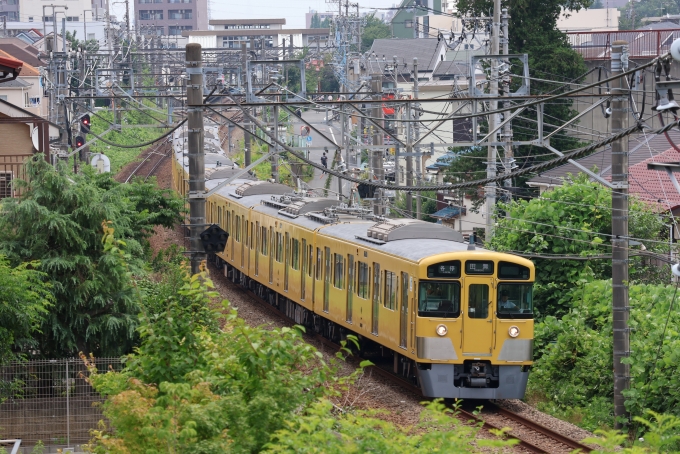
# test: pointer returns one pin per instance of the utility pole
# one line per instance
(275, 157)
(196, 153)
(247, 152)
(620, 303)
(508, 154)
(491, 149)
(409, 158)
(417, 136)
(377, 168)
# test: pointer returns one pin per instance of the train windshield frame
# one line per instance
(515, 300)
(439, 299)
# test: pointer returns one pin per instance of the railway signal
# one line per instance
(85, 124)
(214, 239)
(80, 141)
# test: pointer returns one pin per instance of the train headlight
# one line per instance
(442, 330)
(513, 331)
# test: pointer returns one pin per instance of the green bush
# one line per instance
(572, 375)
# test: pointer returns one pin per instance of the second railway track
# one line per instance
(532, 436)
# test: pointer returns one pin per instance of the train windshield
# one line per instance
(515, 301)
(439, 299)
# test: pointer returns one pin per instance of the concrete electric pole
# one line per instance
(196, 153)
(620, 303)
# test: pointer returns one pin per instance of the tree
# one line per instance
(373, 29)
(316, 22)
(24, 303)
(573, 219)
(633, 12)
(533, 31)
(59, 219)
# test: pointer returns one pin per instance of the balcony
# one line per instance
(642, 44)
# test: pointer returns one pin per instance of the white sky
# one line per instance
(292, 10)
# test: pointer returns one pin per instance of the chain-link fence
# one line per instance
(50, 401)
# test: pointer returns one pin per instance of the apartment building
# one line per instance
(171, 17)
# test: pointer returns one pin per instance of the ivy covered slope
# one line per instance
(55, 226)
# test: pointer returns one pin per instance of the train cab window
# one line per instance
(515, 301)
(263, 241)
(390, 301)
(279, 247)
(339, 271)
(363, 281)
(295, 254)
(478, 301)
(439, 299)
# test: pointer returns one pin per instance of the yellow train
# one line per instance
(454, 318)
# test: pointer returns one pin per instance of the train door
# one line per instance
(233, 236)
(403, 321)
(327, 280)
(477, 322)
(376, 298)
(272, 251)
(305, 264)
(286, 262)
(244, 243)
(350, 286)
(257, 248)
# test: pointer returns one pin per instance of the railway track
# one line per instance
(532, 436)
(153, 159)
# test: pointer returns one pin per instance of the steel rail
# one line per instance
(533, 425)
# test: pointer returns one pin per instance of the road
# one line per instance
(332, 132)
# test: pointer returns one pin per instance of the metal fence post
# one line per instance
(68, 412)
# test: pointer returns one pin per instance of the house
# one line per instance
(26, 90)
(21, 50)
(24, 135)
(404, 24)
(430, 52)
(232, 33)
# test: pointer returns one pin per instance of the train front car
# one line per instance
(474, 328)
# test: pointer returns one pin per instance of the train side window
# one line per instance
(230, 230)
(253, 229)
(339, 271)
(295, 254)
(319, 263)
(246, 243)
(279, 247)
(263, 241)
(363, 281)
(478, 301)
(390, 301)
(237, 229)
(310, 260)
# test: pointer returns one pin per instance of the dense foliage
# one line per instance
(573, 219)
(59, 220)
(572, 375)
(373, 29)
(25, 300)
(195, 387)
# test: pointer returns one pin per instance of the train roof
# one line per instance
(409, 239)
